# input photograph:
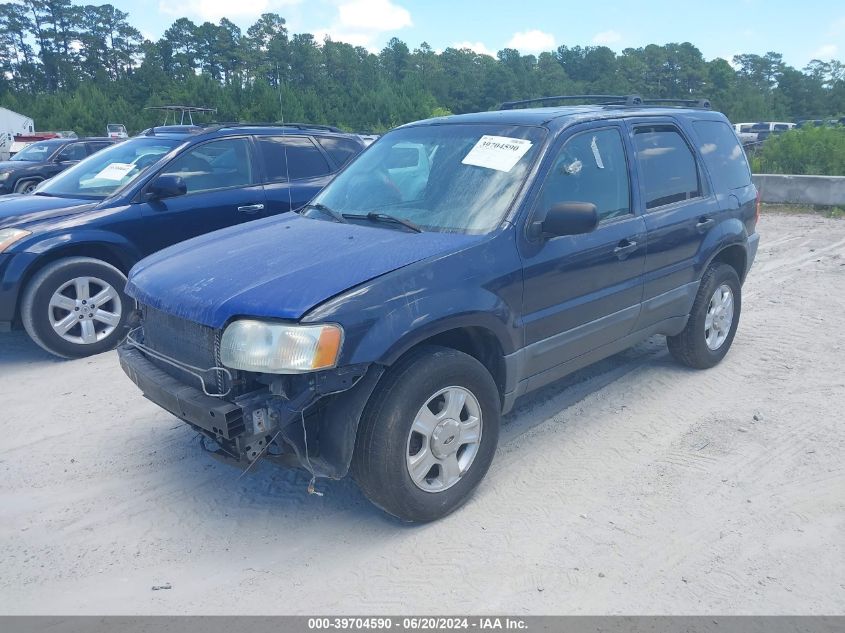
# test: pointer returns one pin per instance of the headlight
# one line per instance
(5, 176)
(10, 236)
(275, 348)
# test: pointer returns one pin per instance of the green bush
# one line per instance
(810, 151)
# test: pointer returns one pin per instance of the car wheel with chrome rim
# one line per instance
(428, 434)
(76, 307)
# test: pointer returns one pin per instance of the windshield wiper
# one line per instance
(338, 217)
(372, 216)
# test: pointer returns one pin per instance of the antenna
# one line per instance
(284, 142)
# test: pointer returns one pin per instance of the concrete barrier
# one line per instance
(786, 189)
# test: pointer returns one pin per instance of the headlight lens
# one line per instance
(10, 236)
(275, 348)
(5, 176)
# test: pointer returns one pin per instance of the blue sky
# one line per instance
(720, 28)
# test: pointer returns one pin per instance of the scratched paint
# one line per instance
(279, 267)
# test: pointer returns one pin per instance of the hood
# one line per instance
(17, 209)
(14, 165)
(279, 267)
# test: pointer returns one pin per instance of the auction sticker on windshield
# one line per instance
(115, 171)
(497, 152)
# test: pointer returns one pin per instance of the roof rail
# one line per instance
(690, 103)
(633, 100)
(296, 126)
(630, 100)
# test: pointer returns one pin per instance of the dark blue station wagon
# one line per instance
(457, 264)
(65, 250)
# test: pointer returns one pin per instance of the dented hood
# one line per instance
(279, 267)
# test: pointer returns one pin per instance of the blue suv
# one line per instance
(457, 264)
(65, 250)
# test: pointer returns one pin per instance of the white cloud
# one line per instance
(361, 22)
(825, 52)
(213, 10)
(373, 15)
(477, 47)
(533, 41)
(606, 37)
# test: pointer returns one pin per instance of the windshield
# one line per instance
(37, 152)
(109, 170)
(447, 178)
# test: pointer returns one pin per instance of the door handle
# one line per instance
(251, 208)
(704, 224)
(625, 248)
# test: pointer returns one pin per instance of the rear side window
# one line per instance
(723, 155)
(667, 166)
(342, 150)
(304, 159)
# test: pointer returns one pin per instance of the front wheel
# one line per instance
(428, 435)
(26, 186)
(713, 320)
(76, 307)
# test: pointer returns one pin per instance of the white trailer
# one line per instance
(12, 123)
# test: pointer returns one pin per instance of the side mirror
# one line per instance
(568, 218)
(166, 186)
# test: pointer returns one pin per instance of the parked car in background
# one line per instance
(65, 251)
(456, 265)
(44, 159)
(743, 131)
(756, 132)
(116, 130)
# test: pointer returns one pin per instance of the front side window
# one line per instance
(219, 164)
(72, 152)
(591, 167)
(666, 165)
(292, 157)
(450, 177)
(723, 155)
(110, 170)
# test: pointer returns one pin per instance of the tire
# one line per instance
(51, 298)
(387, 444)
(699, 346)
(26, 186)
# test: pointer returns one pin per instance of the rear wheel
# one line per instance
(428, 434)
(712, 324)
(76, 307)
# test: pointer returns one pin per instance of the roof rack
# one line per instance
(689, 103)
(296, 126)
(632, 100)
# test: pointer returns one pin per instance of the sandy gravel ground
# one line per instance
(635, 486)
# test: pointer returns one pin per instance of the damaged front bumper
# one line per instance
(317, 420)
